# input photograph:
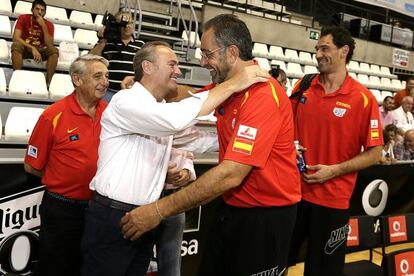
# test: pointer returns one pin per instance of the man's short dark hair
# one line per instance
(38, 2)
(410, 78)
(340, 37)
(388, 97)
(230, 30)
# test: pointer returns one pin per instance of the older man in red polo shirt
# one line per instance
(63, 150)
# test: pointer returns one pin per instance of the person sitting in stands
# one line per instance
(402, 116)
(385, 111)
(405, 150)
(407, 91)
(390, 136)
(33, 38)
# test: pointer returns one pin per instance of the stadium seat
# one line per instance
(68, 52)
(22, 7)
(363, 79)
(386, 94)
(263, 63)
(386, 84)
(276, 52)
(375, 82)
(353, 75)
(5, 7)
(365, 68)
(25, 83)
(194, 38)
(260, 50)
(197, 53)
(20, 123)
(62, 33)
(353, 66)
(396, 83)
(305, 58)
(86, 39)
(377, 94)
(5, 27)
(385, 71)
(282, 64)
(294, 70)
(80, 19)
(375, 70)
(98, 21)
(310, 69)
(403, 83)
(57, 15)
(3, 84)
(60, 86)
(315, 61)
(4, 52)
(292, 55)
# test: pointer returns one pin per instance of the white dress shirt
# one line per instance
(402, 119)
(136, 140)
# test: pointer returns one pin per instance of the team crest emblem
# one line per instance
(339, 112)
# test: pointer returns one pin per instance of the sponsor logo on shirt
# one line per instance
(374, 123)
(32, 151)
(343, 104)
(339, 112)
(247, 132)
(74, 137)
(338, 237)
(243, 146)
(374, 134)
(397, 229)
(72, 130)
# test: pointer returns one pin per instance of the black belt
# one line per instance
(112, 203)
(67, 200)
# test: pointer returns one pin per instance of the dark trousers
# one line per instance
(60, 236)
(248, 241)
(105, 251)
(326, 231)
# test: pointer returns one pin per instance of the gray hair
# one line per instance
(146, 53)
(78, 66)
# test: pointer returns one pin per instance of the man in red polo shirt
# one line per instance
(257, 174)
(33, 38)
(63, 150)
(334, 118)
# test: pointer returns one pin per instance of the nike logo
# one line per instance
(337, 238)
(72, 130)
(330, 247)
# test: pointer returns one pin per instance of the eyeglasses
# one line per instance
(208, 55)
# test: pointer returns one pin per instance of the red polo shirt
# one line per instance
(255, 127)
(32, 33)
(334, 127)
(64, 144)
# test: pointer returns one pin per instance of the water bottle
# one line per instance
(300, 160)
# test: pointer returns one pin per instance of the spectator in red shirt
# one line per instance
(33, 38)
(407, 91)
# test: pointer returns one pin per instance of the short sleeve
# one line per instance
(39, 144)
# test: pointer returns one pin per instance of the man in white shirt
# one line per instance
(136, 141)
(402, 116)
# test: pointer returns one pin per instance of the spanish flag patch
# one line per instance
(374, 134)
(243, 146)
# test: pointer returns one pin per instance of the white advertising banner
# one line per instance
(400, 57)
(402, 6)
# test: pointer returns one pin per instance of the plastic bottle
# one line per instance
(300, 160)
